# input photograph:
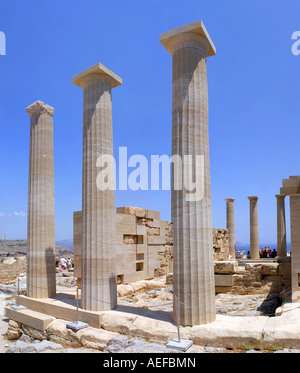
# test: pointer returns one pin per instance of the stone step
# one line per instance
(29, 317)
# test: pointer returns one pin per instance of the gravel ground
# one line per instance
(4, 343)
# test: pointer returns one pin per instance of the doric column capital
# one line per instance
(229, 199)
(39, 108)
(97, 73)
(280, 196)
(193, 34)
(253, 198)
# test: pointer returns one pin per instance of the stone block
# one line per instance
(130, 210)
(226, 266)
(223, 280)
(125, 224)
(270, 269)
(285, 270)
(155, 231)
(151, 214)
(141, 230)
(29, 317)
(156, 240)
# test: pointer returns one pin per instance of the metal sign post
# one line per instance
(77, 325)
(18, 307)
(178, 343)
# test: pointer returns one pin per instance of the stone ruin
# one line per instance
(144, 244)
(114, 247)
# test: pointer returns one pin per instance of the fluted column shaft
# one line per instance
(230, 224)
(281, 226)
(193, 273)
(98, 282)
(41, 272)
(254, 231)
(295, 246)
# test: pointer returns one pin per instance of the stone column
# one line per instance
(295, 246)
(41, 272)
(281, 227)
(231, 226)
(193, 274)
(98, 278)
(254, 235)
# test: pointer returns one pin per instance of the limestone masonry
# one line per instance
(193, 282)
(98, 282)
(41, 281)
(144, 244)
(126, 251)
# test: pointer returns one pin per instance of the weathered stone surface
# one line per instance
(281, 226)
(221, 244)
(118, 322)
(14, 330)
(41, 281)
(34, 347)
(282, 331)
(191, 217)
(98, 282)
(58, 332)
(96, 338)
(34, 333)
(226, 266)
(88, 337)
(117, 344)
(124, 290)
(239, 332)
(254, 231)
(270, 269)
(153, 329)
(230, 224)
(169, 279)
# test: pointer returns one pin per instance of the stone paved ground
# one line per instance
(229, 304)
(156, 299)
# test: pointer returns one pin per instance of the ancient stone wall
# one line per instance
(254, 278)
(144, 244)
(221, 244)
(11, 268)
(261, 278)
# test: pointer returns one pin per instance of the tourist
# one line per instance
(63, 263)
(265, 253)
(69, 263)
(238, 254)
(248, 254)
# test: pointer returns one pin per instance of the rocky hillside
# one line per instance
(17, 248)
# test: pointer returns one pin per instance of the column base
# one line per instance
(283, 259)
(183, 345)
(77, 325)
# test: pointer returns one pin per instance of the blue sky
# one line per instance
(253, 82)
